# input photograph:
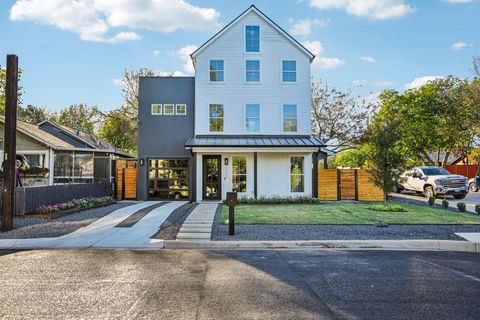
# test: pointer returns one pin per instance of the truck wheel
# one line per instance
(398, 189)
(428, 192)
(472, 187)
(460, 196)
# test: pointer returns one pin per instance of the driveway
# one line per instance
(272, 284)
(472, 199)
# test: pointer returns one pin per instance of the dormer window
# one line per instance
(252, 38)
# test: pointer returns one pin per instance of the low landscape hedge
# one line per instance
(75, 204)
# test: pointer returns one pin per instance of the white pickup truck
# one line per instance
(433, 182)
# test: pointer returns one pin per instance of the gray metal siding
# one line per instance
(161, 136)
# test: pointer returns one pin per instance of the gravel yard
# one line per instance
(25, 228)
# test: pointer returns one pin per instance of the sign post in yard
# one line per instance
(10, 142)
(231, 203)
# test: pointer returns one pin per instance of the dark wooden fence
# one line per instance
(29, 199)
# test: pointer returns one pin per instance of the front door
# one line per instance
(212, 177)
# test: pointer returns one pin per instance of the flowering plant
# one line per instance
(74, 204)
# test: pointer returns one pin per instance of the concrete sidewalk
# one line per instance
(103, 233)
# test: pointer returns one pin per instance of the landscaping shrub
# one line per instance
(477, 208)
(431, 201)
(462, 207)
(445, 203)
(387, 208)
(277, 200)
(74, 204)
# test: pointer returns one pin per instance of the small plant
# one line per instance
(462, 207)
(387, 208)
(431, 201)
(74, 204)
(477, 208)
(445, 203)
(277, 200)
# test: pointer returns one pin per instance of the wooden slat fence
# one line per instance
(347, 184)
(126, 183)
(30, 198)
(462, 169)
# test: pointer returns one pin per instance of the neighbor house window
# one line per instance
(216, 70)
(239, 174)
(297, 174)
(289, 71)
(252, 71)
(216, 117)
(252, 38)
(181, 109)
(252, 117)
(156, 109)
(168, 109)
(289, 118)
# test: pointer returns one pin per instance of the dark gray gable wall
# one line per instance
(161, 136)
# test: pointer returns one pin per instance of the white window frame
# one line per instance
(259, 118)
(165, 109)
(210, 71)
(281, 72)
(179, 105)
(156, 113)
(241, 174)
(259, 72)
(245, 39)
(296, 174)
(283, 117)
(210, 118)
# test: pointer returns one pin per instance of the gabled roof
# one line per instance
(252, 8)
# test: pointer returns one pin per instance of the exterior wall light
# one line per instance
(142, 162)
(226, 161)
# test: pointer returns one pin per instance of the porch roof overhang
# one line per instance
(258, 143)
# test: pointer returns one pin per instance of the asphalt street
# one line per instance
(268, 284)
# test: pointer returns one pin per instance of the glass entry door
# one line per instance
(212, 177)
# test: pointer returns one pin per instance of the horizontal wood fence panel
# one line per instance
(327, 184)
(126, 179)
(367, 191)
(468, 171)
(30, 198)
(347, 184)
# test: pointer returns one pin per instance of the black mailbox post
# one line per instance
(231, 203)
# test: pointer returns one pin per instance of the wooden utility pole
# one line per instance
(10, 143)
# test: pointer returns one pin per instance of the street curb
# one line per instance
(445, 245)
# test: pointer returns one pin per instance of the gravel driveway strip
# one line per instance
(26, 228)
(338, 232)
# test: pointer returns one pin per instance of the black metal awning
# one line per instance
(254, 142)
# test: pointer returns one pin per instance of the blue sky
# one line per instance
(74, 51)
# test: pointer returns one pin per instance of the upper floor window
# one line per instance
(216, 70)
(252, 117)
(290, 118)
(216, 117)
(168, 109)
(181, 109)
(252, 39)
(289, 71)
(156, 109)
(252, 71)
(297, 174)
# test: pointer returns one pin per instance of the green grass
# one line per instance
(343, 213)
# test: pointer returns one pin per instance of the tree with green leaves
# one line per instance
(3, 81)
(353, 158)
(119, 130)
(386, 157)
(80, 117)
(35, 114)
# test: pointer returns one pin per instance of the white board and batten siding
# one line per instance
(234, 92)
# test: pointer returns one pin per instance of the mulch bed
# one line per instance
(169, 229)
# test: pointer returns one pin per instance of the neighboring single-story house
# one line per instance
(55, 154)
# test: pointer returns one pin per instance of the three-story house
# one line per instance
(242, 124)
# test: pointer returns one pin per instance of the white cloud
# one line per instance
(156, 53)
(303, 28)
(372, 9)
(320, 61)
(418, 82)
(372, 98)
(368, 59)
(460, 45)
(118, 82)
(95, 20)
(383, 83)
(184, 54)
(359, 83)
(458, 1)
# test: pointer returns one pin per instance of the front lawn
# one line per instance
(343, 213)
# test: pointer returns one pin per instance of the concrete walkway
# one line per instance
(103, 233)
(198, 225)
